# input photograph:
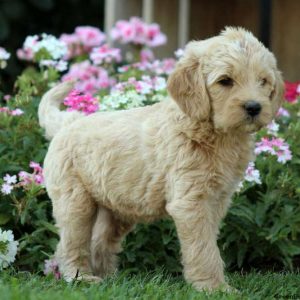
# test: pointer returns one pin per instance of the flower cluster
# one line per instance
(8, 248)
(274, 146)
(105, 54)
(51, 267)
(11, 112)
(252, 174)
(119, 100)
(89, 78)
(60, 65)
(139, 33)
(282, 112)
(292, 91)
(36, 177)
(147, 85)
(54, 48)
(273, 128)
(8, 184)
(158, 67)
(81, 102)
(82, 40)
(4, 56)
(25, 178)
(146, 55)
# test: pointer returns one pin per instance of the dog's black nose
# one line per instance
(252, 107)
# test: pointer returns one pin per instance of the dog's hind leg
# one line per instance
(74, 211)
(107, 236)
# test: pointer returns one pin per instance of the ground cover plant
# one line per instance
(263, 224)
(156, 285)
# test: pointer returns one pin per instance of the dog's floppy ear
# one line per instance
(278, 92)
(186, 85)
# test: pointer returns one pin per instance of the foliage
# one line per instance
(155, 285)
(262, 226)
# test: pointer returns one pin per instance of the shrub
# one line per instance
(262, 225)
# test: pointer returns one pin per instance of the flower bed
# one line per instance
(263, 223)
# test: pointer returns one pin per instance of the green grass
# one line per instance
(152, 286)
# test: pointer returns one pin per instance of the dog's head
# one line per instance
(231, 80)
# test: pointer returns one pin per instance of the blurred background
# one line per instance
(20, 18)
(275, 22)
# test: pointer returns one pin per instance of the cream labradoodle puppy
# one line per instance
(182, 158)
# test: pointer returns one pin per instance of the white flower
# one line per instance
(252, 174)
(56, 48)
(10, 179)
(122, 100)
(273, 128)
(179, 52)
(8, 248)
(6, 188)
(4, 55)
(159, 83)
(60, 65)
(30, 41)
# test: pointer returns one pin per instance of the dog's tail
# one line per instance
(51, 118)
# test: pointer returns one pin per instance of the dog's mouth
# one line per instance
(250, 124)
(253, 124)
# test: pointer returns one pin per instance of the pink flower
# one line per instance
(36, 167)
(25, 54)
(36, 177)
(90, 79)
(17, 112)
(6, 188)
(14, 112)
(155, 37)
(4, 110)
(146, 85)
(274, 146)
(282, 112)
(146, 55)
(82, 40)
(7, 97)
(51, 267)
(81, 102)
(291, 91)
(25, 178)
(105, 54)
(158, 67)
(139, 33)
(90, 36)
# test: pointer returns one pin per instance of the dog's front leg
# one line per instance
(197, 225)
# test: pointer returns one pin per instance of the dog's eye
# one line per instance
(226, 81)
(263, 82)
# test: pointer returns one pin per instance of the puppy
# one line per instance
(182, 158)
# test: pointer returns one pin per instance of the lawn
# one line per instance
(152, 286)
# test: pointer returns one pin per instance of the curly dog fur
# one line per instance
(182, 158)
